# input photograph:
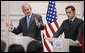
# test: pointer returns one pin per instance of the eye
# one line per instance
(27, 9)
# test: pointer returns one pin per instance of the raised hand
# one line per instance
(9, 25)
(36, 21)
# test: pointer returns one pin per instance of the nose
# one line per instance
(68, 14)
(26, 12)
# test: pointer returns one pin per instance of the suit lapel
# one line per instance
(73, 24)
(68, 25)
(25, 22)
(31, 21)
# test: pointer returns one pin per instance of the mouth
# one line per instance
(27, 14)
(69, 16)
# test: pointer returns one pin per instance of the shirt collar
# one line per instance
(72, 19)
(30, 15)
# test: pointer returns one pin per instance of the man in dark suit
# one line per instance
(30, 25)
(72, 27)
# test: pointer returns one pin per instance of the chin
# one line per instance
(27, 15)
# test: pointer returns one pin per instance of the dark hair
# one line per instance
(72, 8)
(15, 48)
(34, 46)
(3, 46)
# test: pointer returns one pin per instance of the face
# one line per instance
(70, 13)
(26, 10)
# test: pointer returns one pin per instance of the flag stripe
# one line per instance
(48, 49)
(56, 24)
(44, 45)
(46, 32)
(49, 45)
(46, 36)
(54, 27)
(51, 28)
(49, 31)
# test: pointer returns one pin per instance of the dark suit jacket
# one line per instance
(73, 31)
(33, 31)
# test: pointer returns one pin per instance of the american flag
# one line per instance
(51, 26)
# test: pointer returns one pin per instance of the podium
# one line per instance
(61, 45)
(22, 40)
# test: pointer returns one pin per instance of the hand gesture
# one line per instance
(9, 25)
(36, 21)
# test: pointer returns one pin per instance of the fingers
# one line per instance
(36, 21)
(9, 25)
(11, 21)
(77, 43)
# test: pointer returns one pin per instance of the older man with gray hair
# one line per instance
(30, 25)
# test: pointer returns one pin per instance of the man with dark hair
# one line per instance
(16, 48)
(72, 8)
(3, 46)
(72, 27)
(34, 46)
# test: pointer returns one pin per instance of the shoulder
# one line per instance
(37, 15)
(79, 20)
(65, 21)
(22, 19)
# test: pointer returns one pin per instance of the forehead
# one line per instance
(69, 9)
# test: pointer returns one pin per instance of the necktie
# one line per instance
(28, 22)
(70, 22)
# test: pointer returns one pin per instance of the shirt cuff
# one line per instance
(12, 29)
(39, 25)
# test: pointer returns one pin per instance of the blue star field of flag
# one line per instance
(51, 12)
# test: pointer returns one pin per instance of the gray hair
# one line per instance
(26, 4)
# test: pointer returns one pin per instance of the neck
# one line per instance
(72, 19)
